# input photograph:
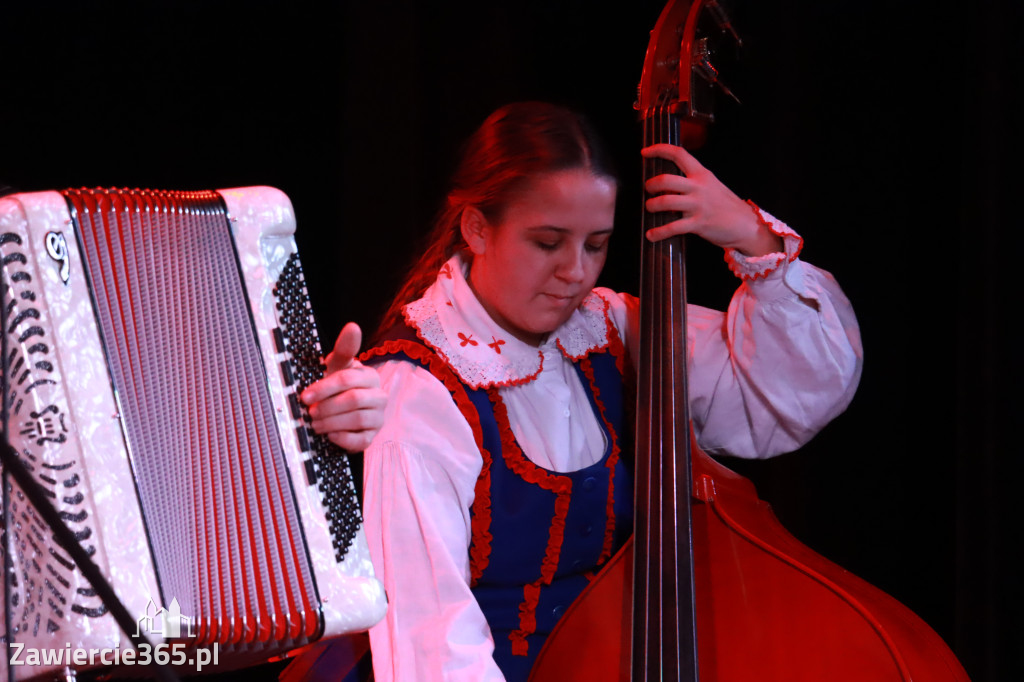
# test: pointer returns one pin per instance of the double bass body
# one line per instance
(768, 607)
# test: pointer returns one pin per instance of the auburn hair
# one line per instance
(514, 144)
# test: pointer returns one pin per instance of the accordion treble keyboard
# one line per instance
(155, 345)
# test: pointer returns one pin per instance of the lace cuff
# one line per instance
(759, 267)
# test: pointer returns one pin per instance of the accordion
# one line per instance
(154, 345)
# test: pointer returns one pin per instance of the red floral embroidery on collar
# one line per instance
(449, 317)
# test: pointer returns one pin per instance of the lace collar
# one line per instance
(450, 320)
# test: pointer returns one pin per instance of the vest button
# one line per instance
(589, 482)
(558, 611)
(586, 530)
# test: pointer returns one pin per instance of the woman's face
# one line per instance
(534, 264)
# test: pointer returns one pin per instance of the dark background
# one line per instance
(880, 130)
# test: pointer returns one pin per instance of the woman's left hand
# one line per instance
(709, 208)
(347, 405)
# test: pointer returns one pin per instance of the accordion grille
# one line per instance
(197, 414)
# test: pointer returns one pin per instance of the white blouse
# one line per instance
(764, 378)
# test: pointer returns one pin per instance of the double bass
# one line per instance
(712, 588)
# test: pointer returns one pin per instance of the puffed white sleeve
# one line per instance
(419, 478)
(783, 361)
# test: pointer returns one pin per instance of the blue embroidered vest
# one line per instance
(538, 536)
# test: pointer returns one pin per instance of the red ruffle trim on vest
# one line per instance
(480, 545)
(562, 487)
(618, 351)
(480, 523)
(527, 619)
(613, 459)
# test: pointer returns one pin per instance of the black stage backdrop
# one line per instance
(880, 130)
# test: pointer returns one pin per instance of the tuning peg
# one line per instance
(721, 18)
(702, 66)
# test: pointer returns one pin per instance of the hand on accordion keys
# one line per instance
(347, 405)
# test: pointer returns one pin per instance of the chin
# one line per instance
(553, 326)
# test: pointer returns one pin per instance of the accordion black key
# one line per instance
(154, 346)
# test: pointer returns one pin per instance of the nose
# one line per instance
(571, 268)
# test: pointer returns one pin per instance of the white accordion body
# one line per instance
(155, 345)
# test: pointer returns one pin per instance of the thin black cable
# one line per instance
(66, 539)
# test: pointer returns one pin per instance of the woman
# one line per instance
(496, 487)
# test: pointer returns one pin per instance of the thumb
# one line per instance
(345, 348)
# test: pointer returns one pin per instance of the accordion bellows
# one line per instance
(154, 346)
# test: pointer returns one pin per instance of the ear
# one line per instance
(474, 229)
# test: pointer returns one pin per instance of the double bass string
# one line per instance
(642, 629)
(683, 616)
(665, 632)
